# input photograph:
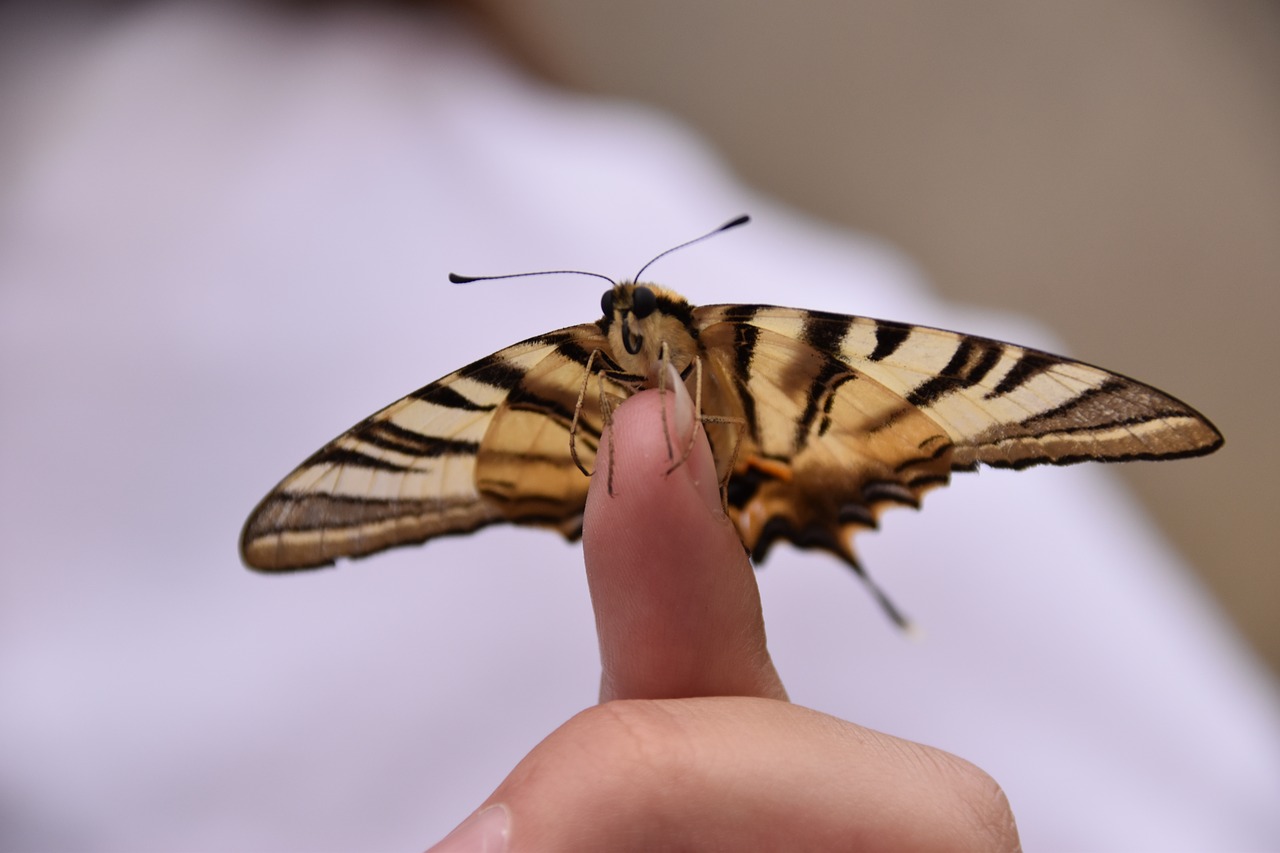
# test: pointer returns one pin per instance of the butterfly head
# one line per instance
(639, 318)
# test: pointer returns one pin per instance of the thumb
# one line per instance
(676, 602)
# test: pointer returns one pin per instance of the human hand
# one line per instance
(694, 745)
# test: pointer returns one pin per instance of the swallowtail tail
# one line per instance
(817, 423)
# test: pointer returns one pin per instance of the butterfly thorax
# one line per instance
(639, 319)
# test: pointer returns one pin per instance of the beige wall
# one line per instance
(1112, 169)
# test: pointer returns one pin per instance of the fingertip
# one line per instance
(677, 607)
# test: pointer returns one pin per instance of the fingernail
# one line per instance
(683, 414)
(483, 832)
(700, 468)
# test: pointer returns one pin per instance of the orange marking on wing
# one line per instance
(771, 467)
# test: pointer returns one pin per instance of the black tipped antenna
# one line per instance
(733, 223)
(467, 279)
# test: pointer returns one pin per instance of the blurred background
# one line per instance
(1110, 169)
(224, 234)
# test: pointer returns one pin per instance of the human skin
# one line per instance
(694, 745)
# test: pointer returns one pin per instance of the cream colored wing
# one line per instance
(488, 443)
(845, 416)
(1004, 405)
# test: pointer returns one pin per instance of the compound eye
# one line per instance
(643, 301)
(606, 303)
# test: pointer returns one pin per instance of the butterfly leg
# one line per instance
(606, 422)
(739, 425)
(577, 412)
(740, 429)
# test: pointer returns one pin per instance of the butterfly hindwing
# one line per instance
(525, 468)
(824, 447)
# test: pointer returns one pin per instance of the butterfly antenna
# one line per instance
(467, 279)
(733, 223)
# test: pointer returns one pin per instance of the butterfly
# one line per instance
(817, 423)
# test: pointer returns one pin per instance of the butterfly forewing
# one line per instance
(1004, 405)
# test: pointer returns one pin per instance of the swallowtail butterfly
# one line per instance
(817, 423)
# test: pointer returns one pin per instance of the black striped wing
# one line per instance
(1005, 405)
(849, 415)
(486, 444)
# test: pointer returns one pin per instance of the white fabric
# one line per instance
(224, 238)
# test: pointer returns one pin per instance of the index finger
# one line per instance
(675, 597)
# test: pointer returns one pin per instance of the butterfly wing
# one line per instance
(488, 443)
(846, 416)
(821, 448)
(1004, 405)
